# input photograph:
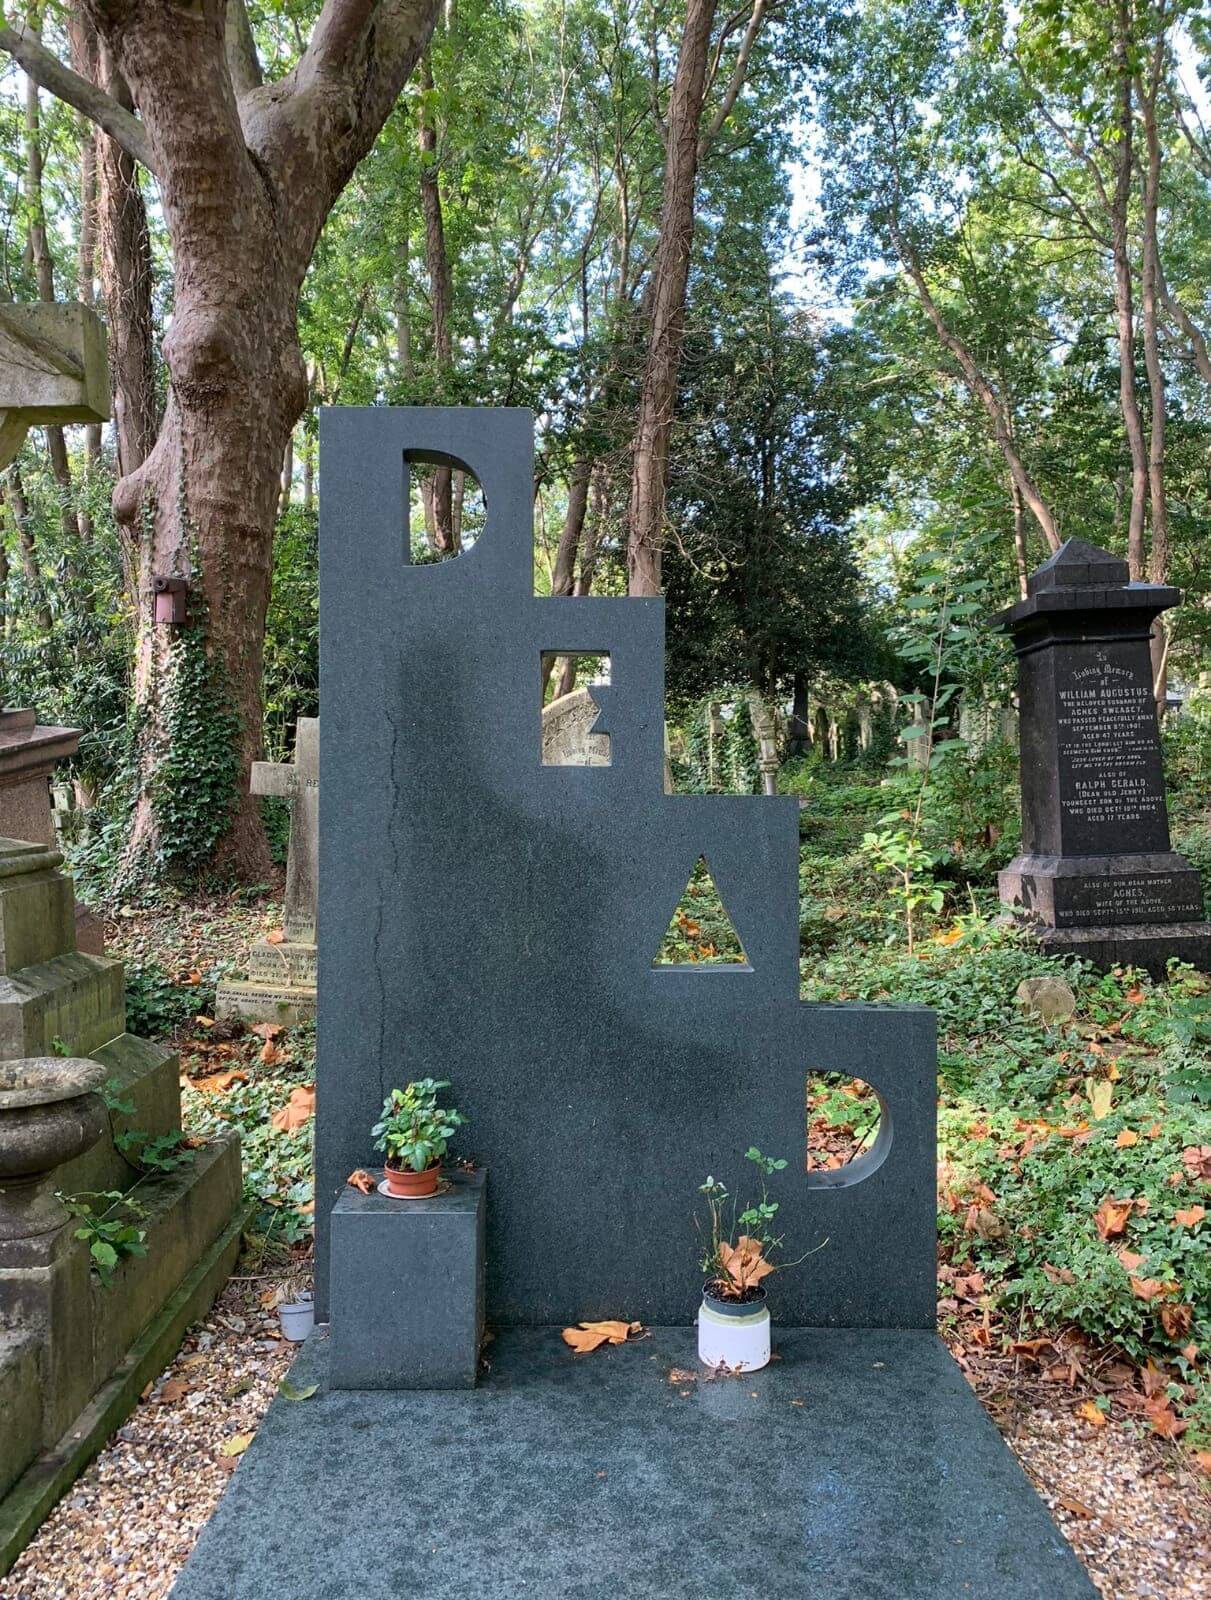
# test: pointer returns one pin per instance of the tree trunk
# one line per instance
(1019, 537)
(287, 479)
(666, 303)
(126, 267)
(798, 731)
(440, 297)
(563, 575)
(19, 508)
(1123, 297)
(245, 184)
(86, 272)
(44, 272)
(1158, 564)
(983, 389)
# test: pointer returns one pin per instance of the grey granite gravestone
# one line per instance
(280, 986)
(494, 921)
(1097, 875)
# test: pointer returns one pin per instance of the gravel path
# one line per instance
(124, 1530)
(1135, 1509)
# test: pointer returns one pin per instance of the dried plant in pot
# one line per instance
(734, 1320)
(413, 1132)
(295, 1307)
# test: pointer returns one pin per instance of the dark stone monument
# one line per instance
(1096, 874)
(409, 1282)
(494, 920)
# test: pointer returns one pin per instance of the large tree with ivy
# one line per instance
(248, 168)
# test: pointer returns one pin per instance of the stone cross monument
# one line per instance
(281, 972)
(1097, 874)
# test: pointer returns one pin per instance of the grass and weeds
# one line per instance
(1074, 1159)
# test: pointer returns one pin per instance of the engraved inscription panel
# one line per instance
(1136, 897)
(1112, 794)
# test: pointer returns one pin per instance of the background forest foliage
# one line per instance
(948, 278)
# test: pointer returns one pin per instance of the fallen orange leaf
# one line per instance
(589, 1335)
(276, 937)
(271, 1056)
(1163, 1419)
(361, 1181)
(217, 1081)
(1177, 1320)
(268, 1030)
(1088, 1412)
(297, 1110)
(1203, 1457)
(1111, 1216)
(1147, 1288)
(1126, 1139)
(1131, 1261)
(1190, 1216)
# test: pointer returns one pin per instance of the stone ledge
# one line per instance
(186, 1210)
(40, 1486)
(78, 999)
(1147, 945)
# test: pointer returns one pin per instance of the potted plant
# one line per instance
(413, 1132)
(295, 1308)
(733, 1322)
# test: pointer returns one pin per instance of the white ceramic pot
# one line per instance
(733, 1333)
(297, 1319)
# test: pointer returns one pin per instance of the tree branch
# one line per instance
(242, 61)
(341, 27)
(1194, 334)
(736, 82)
(50, 74)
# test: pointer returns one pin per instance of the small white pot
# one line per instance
(297, 1319)
(733, 1333)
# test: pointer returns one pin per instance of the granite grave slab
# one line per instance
(859, 1467)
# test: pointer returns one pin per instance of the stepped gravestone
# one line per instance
(280, 986)
(75, 1353)
(29, 752)
(1096, 875)
(494, 919)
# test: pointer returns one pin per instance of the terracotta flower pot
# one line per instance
(404, 1184)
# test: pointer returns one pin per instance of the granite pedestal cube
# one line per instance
(407, 1288)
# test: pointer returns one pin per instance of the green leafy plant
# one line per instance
(900, 853)
(164, 1152)
(413, 1131)
(737, 1253)
(109, 1235)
